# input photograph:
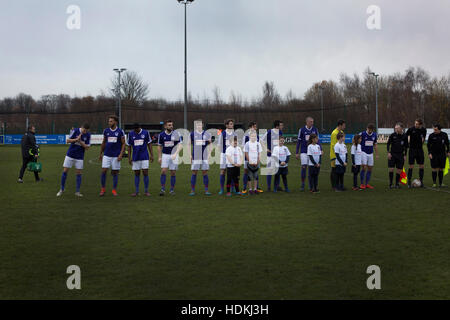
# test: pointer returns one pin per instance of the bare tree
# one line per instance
(24, 102)
(133, 88)
(270, 97)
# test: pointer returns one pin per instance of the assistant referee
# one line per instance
(438, 151)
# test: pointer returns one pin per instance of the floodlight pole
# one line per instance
(119, 99)
(185, 2)
(376, 97)
(321, 103)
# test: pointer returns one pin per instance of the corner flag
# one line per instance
(447, 167)
(403, 177)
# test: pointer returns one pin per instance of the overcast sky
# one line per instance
(233, 44)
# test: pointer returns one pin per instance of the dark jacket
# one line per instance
(438, 143)
(29, 147)
(398, 143)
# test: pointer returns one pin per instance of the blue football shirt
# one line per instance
(368, 141)
(76, 151)
(168, 141)
(113, 141)
(139, 142)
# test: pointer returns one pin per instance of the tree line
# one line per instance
(401, 97)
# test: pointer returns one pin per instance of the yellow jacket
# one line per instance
(333, 143)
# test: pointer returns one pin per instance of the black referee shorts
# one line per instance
(438, 161)
(416, 155)
(397, 161)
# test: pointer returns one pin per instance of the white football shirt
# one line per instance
(356, 151)
(253, 149)
(315, 151)
(236, 155)
(341, 149)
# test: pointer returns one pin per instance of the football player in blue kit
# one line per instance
(169, 147)
(111, 153)
(200, 145)
(139, 146)
(368, 145)
(80, 140)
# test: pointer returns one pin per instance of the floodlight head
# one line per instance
(185, 1)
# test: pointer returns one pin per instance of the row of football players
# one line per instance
(140, 154)
(232, 156)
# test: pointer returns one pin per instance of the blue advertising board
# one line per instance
(40, 139)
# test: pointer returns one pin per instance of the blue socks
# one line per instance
(78, 182)
(103, 179)
(146, 182)
(304, 177)
(136, 183)
(193, 182)
(63, 180)
(115, 181)
(269, 181)
(206, 182)
(163, 182)
(369, 173)
(361, 175)
(172, 182)
(245, 181)
(222, 181)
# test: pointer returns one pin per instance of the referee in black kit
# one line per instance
(30, 152)
(438, 150)
(416, 138)
(397, 148)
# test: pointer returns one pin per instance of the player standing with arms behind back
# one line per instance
(168, 149)
(271, 139)
(368, 145)
(80, 140)
(111, 152)
(138, 142)
(225, 140)
(200, 144)
(302, 147)
(416, 138)
(438, 151)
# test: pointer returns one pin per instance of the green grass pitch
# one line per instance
(273, 246)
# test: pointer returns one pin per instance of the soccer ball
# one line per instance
(416, 183)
